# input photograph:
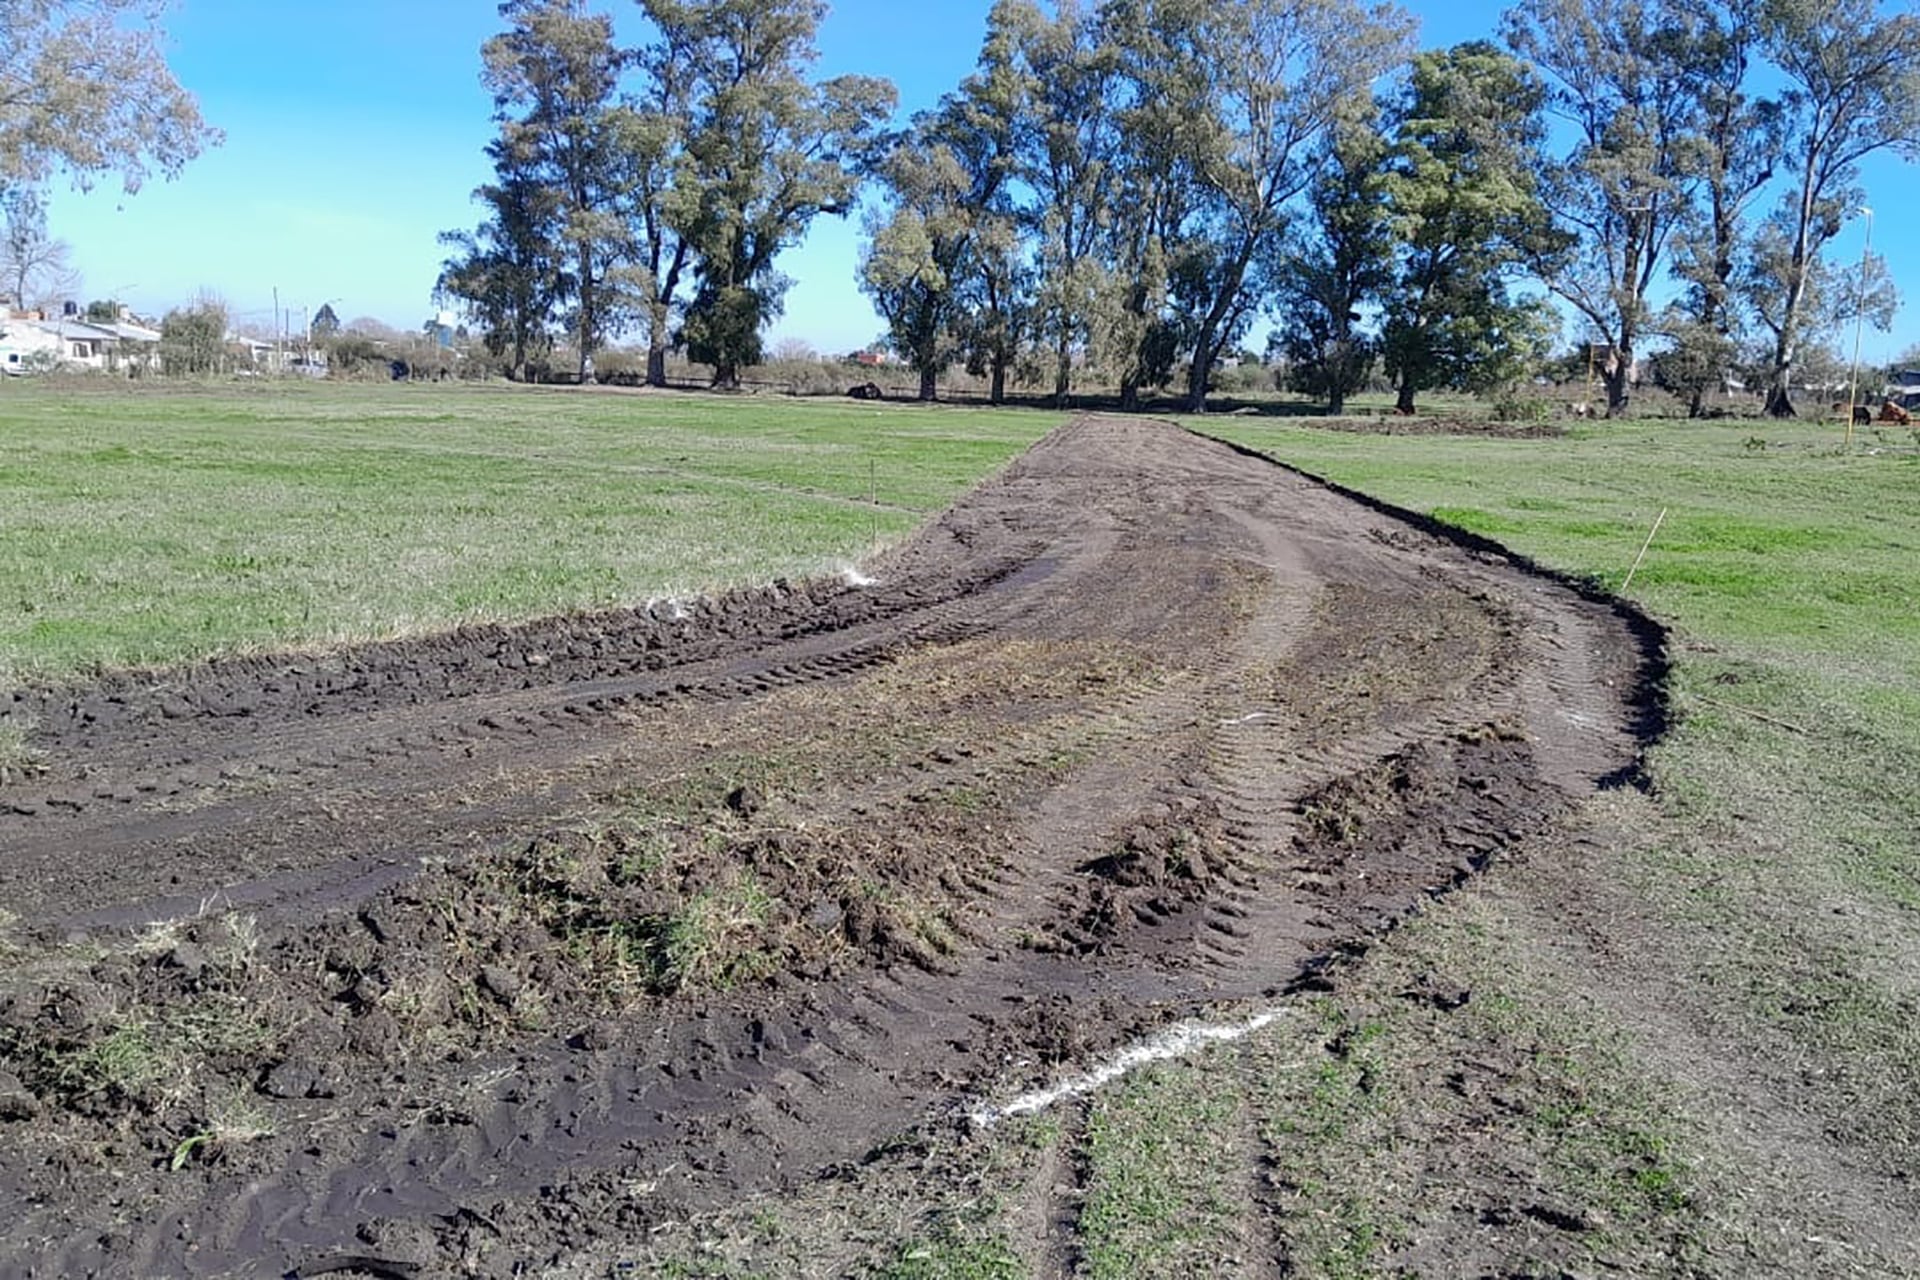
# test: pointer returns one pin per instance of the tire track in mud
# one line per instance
(1316, 716)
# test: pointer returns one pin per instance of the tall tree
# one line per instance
(980, 125)
(1852, 89)
(1738, 140)
(1340, 263)
(653, 149)
(1069, 144)
(1168, 134)
(506, 273)
(35, 270)
(1465, 212)
(553, 75)
(767, 151)
(1285, 73)
(1829, 296)
(1624, 79)
(916, 252)
(84, 87)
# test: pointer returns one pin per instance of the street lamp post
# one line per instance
(1859, 322)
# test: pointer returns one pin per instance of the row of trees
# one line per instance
(1133, 183)
(1137, 180)
(652, 189)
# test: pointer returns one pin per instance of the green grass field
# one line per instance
(172, 523)
(1706, 1031)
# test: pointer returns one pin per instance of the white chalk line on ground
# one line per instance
(1163, 1046)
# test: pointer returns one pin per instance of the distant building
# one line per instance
(29, 343)
(1904, 389)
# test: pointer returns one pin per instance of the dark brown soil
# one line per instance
(455, 956)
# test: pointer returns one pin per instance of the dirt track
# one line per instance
(1142, 727)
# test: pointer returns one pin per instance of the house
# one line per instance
(29, 342)
(86, 345)
(26, 345)
(138, 348)
(1904, 389)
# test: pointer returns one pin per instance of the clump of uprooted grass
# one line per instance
(18, 757)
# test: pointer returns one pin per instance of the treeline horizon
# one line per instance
(1129, 184)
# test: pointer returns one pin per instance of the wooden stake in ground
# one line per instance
(1643, 550)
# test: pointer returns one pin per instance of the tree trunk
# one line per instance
(1617, 383)
(1780, 387)
(997, 394)
(1336, 401)
(1197, 376)
(1130, 395)
(726, 377)
(927, 387)
(1403, 403)
(1062, 373)
(657, 343)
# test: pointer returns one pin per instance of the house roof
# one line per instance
(76, 329)
(130, 332)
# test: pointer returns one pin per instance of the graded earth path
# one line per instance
(454, 956)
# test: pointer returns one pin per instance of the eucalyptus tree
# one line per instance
(1284, 72)
(1070, 140)
(1623, 78)
(1465, 213)
(1338, 263)
(981, 126)
(1852, 88)
(554, 75)
(1734, 154)
(657, 176)
(1169, 135)
(506, 273)
(766, 151)
(917, 249)
(84, 87)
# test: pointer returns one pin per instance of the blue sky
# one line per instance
(354, 132)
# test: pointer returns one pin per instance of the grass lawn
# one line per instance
(163, 524)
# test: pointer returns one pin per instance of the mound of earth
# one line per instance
(456, 955)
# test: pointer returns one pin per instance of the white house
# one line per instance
(83, 344)
(26, 344)
(137, 349)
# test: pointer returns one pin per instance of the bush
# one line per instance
(1513, 406)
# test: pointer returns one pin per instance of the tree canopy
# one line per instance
(84, 88)
(1127, 185)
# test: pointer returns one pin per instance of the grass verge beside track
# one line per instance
(160, 525)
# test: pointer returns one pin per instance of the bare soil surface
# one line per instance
(464, 954)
